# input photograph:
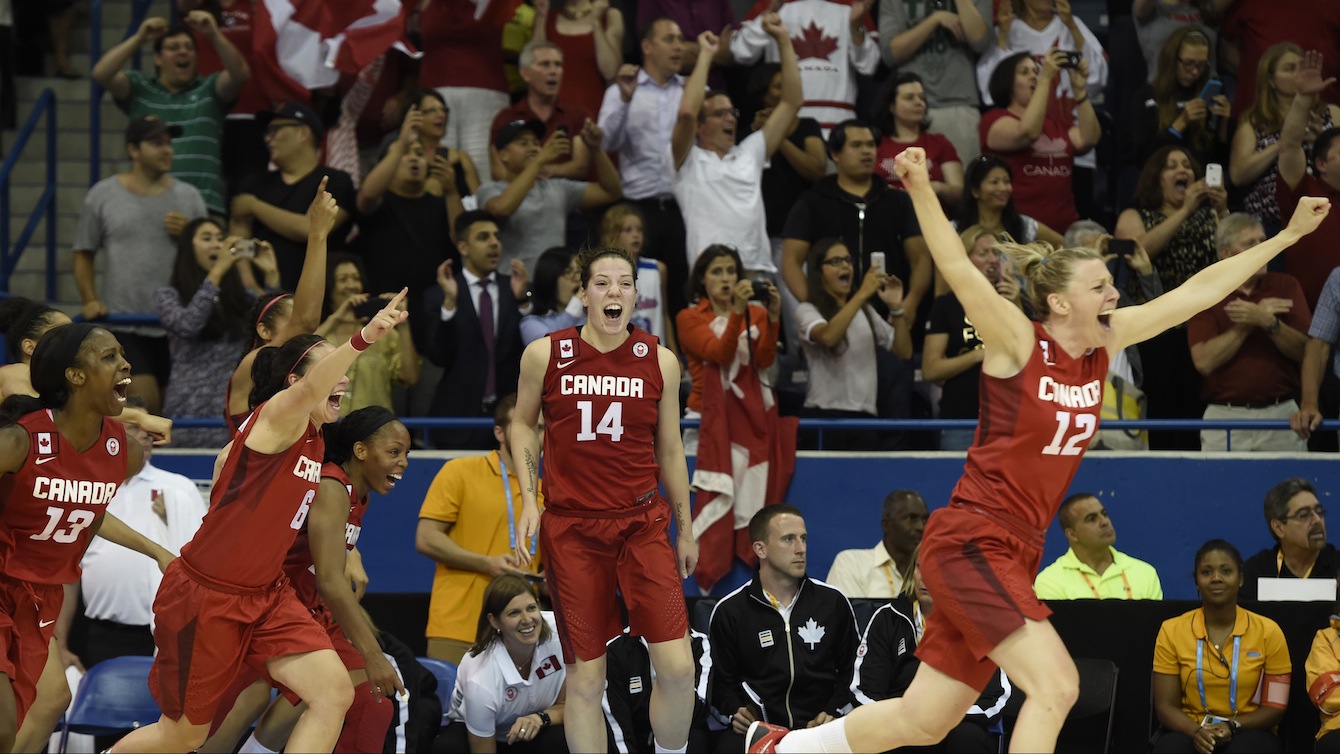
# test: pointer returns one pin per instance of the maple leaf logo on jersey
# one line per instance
(813, 43)
(811, 633)
(1051, 148)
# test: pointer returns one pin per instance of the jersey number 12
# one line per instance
(1085, 424)
(610, 424)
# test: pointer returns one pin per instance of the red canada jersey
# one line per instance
(1032, 432)
(51, 502)
(600, 413)
(298, 566)
(256, 508)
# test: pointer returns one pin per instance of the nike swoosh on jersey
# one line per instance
(44, 623)
(564, 364)
(43, 460)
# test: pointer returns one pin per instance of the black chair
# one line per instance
(1088, 727)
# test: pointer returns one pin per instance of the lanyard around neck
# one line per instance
(1125, 582)
(1279, 565)
(1232, 675)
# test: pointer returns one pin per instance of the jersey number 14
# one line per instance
(610, 424)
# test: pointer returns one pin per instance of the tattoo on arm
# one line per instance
(532, 472)
(682, 519)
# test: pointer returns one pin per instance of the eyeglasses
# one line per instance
(1303, 515)
(1193, 65)
(839, 261)
(723, 112)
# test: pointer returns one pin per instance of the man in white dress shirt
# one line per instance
(881, 571)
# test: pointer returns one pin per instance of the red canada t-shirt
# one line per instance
(1042, 171)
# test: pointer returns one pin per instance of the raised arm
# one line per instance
(691, 104)
(608, 187)
(1292, 162)
(110, 72)
(1011, 135)
(1000, 325)
(779, 120)
(235, 69)
(378, 180)
(1136, 324)
(608, 38)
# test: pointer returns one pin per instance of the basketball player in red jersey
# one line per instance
(62, 458)
(610, 396)
(277, 317)
(366, 451)
(1042, 388)
(225, 603)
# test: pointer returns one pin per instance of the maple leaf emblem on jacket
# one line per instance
(811, 633)
(813, 43)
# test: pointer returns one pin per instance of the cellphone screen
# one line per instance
(1211, 90)
(1122, 247)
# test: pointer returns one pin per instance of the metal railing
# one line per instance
(138, 10)
(46, 204)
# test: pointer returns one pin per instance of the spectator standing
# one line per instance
(241, 133)
(1322, 338)
(555, 304)
(841, 334)
(901, 117)
(476, 337)
(448, 167)
(718, 182)
(272, 206)
(402, 225)
(1093, 568)
(882, 571)
(531, 210)
(543, 68)
(695, 17)
(834, 46)
(1251, 27)
(862, 211)
(638, 115)
(393, 363)
(783, 645)
(1248, 349)
(1240, 661)
(1170, 110)
(1310, 263)
(179, 95)
(952, 353)
(590, 35)
(118, 584)
(1297, 522)
(1156, 21)
(1174, 220)
(1256, 142)
(131, 217)
(1030, 129)
(466, 526)
(204, 310)
(463, 61)
(940, 43)
(990, 184)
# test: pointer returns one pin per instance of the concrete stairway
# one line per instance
(72, 154)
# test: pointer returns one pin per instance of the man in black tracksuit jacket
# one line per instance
(783, 644)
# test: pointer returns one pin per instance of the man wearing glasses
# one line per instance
(718, 183)
(1298, 523)
(272, 206)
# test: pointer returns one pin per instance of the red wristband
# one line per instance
(358, 342)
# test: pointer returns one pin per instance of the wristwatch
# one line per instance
(545, 722)
(1274, 327)
(1233, 725)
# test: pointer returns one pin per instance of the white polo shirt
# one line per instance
(721, 199)
(490, 694)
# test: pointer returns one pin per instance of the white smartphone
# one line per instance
(1214, 174)
(877, 260)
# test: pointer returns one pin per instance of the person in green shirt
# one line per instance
(180, 95)
(1092, 568)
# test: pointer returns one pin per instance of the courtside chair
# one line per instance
(113, 697)
(445, 673)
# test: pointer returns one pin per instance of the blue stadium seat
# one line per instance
(445, 673)
(113, 697)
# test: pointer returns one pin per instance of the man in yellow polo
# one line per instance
(1092, 569)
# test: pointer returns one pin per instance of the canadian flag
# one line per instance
(298, 45)
(44, 443)
(746, 456)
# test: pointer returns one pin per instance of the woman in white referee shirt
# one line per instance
(511, 686)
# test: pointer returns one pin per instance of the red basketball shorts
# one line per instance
(207, 632)
(28, 614)
(979, 568)
(589, 556)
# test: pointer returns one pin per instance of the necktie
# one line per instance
(486, 329)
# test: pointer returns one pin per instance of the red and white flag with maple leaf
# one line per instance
(298, 45)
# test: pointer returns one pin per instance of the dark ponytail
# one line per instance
(357, 427)
(23, 319)
(273, 365)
